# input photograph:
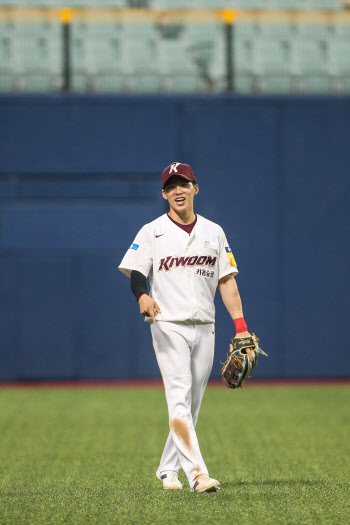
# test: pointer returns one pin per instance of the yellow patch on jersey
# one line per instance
(232, 259)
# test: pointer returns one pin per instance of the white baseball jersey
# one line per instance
(184, 270)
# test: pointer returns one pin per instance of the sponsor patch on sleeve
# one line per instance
(134, 246)
(232, 259)
(228, 249)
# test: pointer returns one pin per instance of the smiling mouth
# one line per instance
(180, 200)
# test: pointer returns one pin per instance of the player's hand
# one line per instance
(149, 307)
(249, 352)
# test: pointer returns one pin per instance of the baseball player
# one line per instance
(186, 257)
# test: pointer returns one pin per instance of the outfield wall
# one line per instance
(80, 175)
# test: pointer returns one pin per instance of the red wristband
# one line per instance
(240, 325)
(141, 296)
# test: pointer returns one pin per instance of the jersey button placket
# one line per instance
(190, 271)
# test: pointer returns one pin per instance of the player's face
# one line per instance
(180, 194)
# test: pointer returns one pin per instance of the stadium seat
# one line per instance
(141, 66)
(7, 56)
(138, 3)
(143, 83)
(189, 83)
(36, 82)
(31, 55)
(244, 57)
(140, 50)
(314, 84)
(274, 84)
(98, 83)
(209, 4)
(6, 82)
(58, 3)
(206, 46)
(309, 57)
(172, 4)
(339, 51)
(344, 84)
(285, 4)
(243, 84)
(243, 47)
(100, 3)
(323, 4)
(140, 57)
(96, 55)
(340, 30)
(294, 51)
(273, 56)
(175, 57)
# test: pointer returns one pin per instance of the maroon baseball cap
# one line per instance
(179, 169)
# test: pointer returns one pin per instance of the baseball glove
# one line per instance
(237, 367)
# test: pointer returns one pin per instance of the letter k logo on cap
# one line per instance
(180, 169)
(173, 167)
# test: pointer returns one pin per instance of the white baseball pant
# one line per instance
(185, 353)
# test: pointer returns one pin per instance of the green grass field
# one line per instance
(282, 455)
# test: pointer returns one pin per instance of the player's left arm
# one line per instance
(232, 300)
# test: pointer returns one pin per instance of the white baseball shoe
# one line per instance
(170, 480)
(205, 484)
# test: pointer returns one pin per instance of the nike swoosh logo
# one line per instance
(159, 235)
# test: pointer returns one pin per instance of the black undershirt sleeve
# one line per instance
(138, 284)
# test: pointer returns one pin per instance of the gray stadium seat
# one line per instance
(345, 84)
(244, 50)
(172, 4)
(339, 51)
(32, 55)
(314, 84)
(6, 81)
(7, 56)
(206, 46)
(175, 57)
(273, 56)
(179, 83)
(243, 84)
(244, 57)
(274, 84)
(309, 57)
(97, 55)
(323, 4)
(59, 4)
(186, 56)
(143, 83)
(98, 83)
(140, 56)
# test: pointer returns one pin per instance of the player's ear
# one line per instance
(164, 195)
(196, 189)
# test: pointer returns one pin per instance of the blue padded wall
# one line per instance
(80, 175)
(45, 309)
(9, 316)
(316, 235)
(86, 135)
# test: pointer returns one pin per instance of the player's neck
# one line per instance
(187, 217)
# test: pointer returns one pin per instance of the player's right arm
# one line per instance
(138, 261)
(148, 307)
